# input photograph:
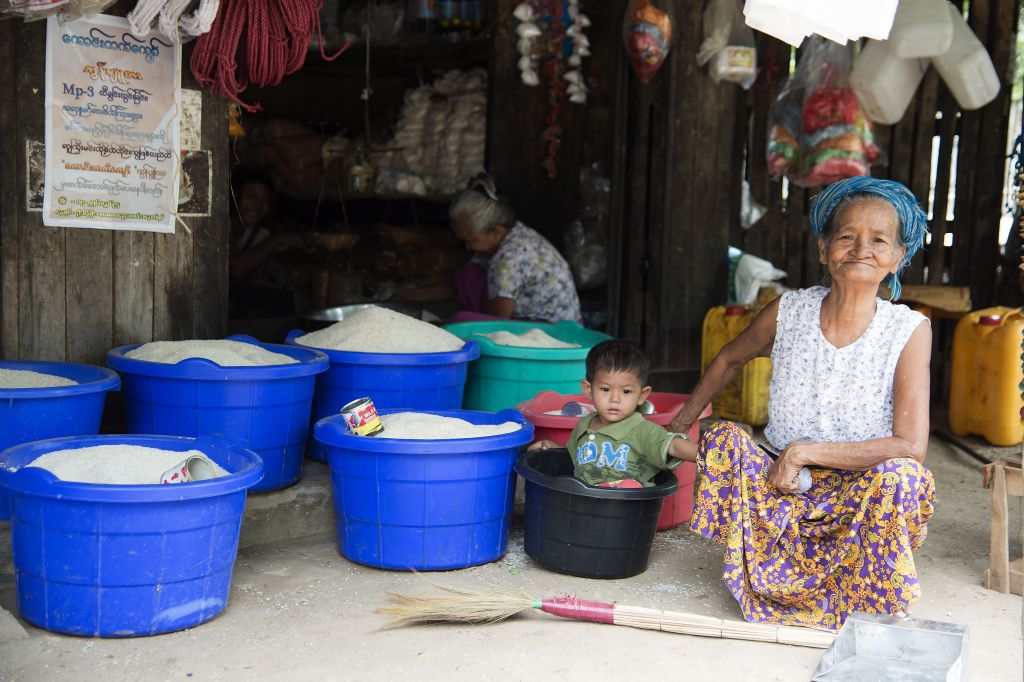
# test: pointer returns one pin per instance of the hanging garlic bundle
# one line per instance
(577, 89)
(528, 32)
(531, 27)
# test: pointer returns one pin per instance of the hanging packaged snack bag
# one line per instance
(784, 126)
(647, 33)
(818, 133)
(728, 46)
(836, 142)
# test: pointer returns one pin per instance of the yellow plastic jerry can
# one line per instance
(745, 398)
(985, 389)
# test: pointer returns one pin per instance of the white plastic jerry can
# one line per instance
(966, 67)
(884, 83)
(922, 28)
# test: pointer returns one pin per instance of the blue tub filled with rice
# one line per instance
(51, 399)
(431, 492)
(258, 393)
(399, 361)
(102, 548)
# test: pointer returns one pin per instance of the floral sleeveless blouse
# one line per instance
(822, 393)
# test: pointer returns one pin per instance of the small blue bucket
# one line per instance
(28, 414)
(267, 407)
(124, 560)
(413, 381)
(425, 505)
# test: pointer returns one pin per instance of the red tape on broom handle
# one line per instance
(578, 609)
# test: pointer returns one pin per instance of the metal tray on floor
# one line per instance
(885, 648)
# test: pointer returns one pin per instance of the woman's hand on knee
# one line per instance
(784, 473)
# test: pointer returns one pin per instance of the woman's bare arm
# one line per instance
(755, 341)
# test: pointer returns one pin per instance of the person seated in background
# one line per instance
(256, 233)
(515, 272)
(616, 447)
(258, 236)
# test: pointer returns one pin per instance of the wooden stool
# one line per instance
(1003, 478)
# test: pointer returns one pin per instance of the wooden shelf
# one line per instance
(370, 196)
(373, 196)
(433, 54)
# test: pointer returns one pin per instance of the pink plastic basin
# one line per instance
(556, 428)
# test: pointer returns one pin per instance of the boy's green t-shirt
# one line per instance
(632, 448)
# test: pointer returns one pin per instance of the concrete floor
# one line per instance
(298, 610)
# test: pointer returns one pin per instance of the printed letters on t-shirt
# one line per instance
(616, 458)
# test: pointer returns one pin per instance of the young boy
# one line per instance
(616, 447)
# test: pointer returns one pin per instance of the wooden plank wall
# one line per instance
(71, 294)
(517, 113)
(684, 144)
(676, 195)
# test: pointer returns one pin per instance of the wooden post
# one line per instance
(999, 563)
(1004, 479)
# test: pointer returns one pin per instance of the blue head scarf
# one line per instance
(913, 220)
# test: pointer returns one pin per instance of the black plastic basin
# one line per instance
(581, 530)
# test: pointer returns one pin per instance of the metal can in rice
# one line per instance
(362, 418)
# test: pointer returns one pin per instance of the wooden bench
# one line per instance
(1003, 478)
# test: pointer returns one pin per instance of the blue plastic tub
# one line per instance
(267, 407)
(124, 560)
(415, 381)
(28, 414)
(427, 505)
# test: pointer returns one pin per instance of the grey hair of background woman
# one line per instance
(484, 206)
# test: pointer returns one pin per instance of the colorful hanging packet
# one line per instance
(647, 33)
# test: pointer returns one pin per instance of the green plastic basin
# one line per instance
(506, 375)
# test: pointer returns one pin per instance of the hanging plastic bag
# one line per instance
(747, 274)
(784, 126)
(586, 254)
(728, 44)
(827, 138)
(647, 33)
(837, 142)
(750, 210)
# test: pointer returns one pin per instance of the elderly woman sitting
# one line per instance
(849, 401)
(526, 276)
(515, 272)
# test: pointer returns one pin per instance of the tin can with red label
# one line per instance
(193, 468)
(361, 417)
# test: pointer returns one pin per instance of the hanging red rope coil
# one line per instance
(258, 42)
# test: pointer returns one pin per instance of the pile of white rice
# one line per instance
(380, 330)
(533, 338)
(116, 464)
(420, 426)
(22, 378)
(223, 352)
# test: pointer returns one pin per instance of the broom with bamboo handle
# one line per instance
(491, 606)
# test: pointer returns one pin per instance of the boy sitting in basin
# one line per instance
(616, 447)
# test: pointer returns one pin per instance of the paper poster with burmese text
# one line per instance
(112, 103)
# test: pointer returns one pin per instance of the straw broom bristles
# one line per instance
(459, 606)
(490, 606)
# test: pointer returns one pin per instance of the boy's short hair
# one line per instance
(615, 355)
